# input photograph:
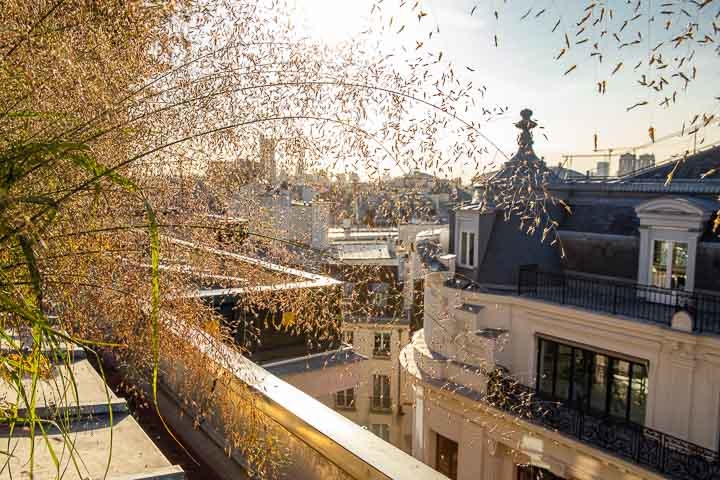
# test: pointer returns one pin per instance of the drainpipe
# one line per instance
(399, 383)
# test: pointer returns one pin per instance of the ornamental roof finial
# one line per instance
(525, 139)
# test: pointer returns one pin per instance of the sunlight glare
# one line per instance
(334, 21)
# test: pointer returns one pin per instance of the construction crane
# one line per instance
(607, 153)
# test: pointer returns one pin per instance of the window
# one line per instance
(670, 228)
(348, 337)
(467, 249)
(345, 399)
(446, 457)
(669, 264)
(348, 295)
(382, 430)
(592, 381)
(546, 369)
(380, 401)
(638, 393)
(379, 294)
(531, 472)
(381, 347)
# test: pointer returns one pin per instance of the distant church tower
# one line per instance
(267, 158)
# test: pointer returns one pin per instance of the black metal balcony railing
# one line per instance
(381, 404)
(652, 304)
(383, 353)
(671, 456)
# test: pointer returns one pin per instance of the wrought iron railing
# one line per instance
(383, 353)
(671, 456)
(380, 404)
(651, 304)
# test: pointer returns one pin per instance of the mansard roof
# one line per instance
(691, 168)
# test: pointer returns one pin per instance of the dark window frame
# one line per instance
(609, 377)
(345, 404)
(383, 352)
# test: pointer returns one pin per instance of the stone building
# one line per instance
(600, 364)
(382, 279)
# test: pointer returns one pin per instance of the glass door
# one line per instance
(381, 393)
(668, 269)
(446, 458)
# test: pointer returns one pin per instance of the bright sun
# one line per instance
(334, 21)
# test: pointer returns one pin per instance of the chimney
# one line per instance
(320, 212)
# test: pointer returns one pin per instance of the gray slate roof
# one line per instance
(602, 218)
(343, 356)
(691, 169)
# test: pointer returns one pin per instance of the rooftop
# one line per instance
(105, 438)
(351, 252)
(276, 277)
(318, 361)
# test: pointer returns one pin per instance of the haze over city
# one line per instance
(360, 240)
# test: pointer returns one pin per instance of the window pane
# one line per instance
(598, 386)
(619, 387)
(679, 265)
(638, 393)
(382, 344)
(382, 430)
(381, 385)
(546, 367)
(659, 264)
(471, 255)
(562, 384)
(582, 362)
(463, 248)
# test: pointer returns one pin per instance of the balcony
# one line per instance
(668, 455)
(380, 404)
(382, 354)
(642, 302)
(648, 448)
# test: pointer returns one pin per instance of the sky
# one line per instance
(521, 72)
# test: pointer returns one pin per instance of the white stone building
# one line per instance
(602, 364)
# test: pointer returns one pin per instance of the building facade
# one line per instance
(599, 364)
(382, 272)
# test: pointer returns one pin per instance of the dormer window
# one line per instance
(467, 249)
(669, 233)
(379, 294)
(466, 237)
(669, 264)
